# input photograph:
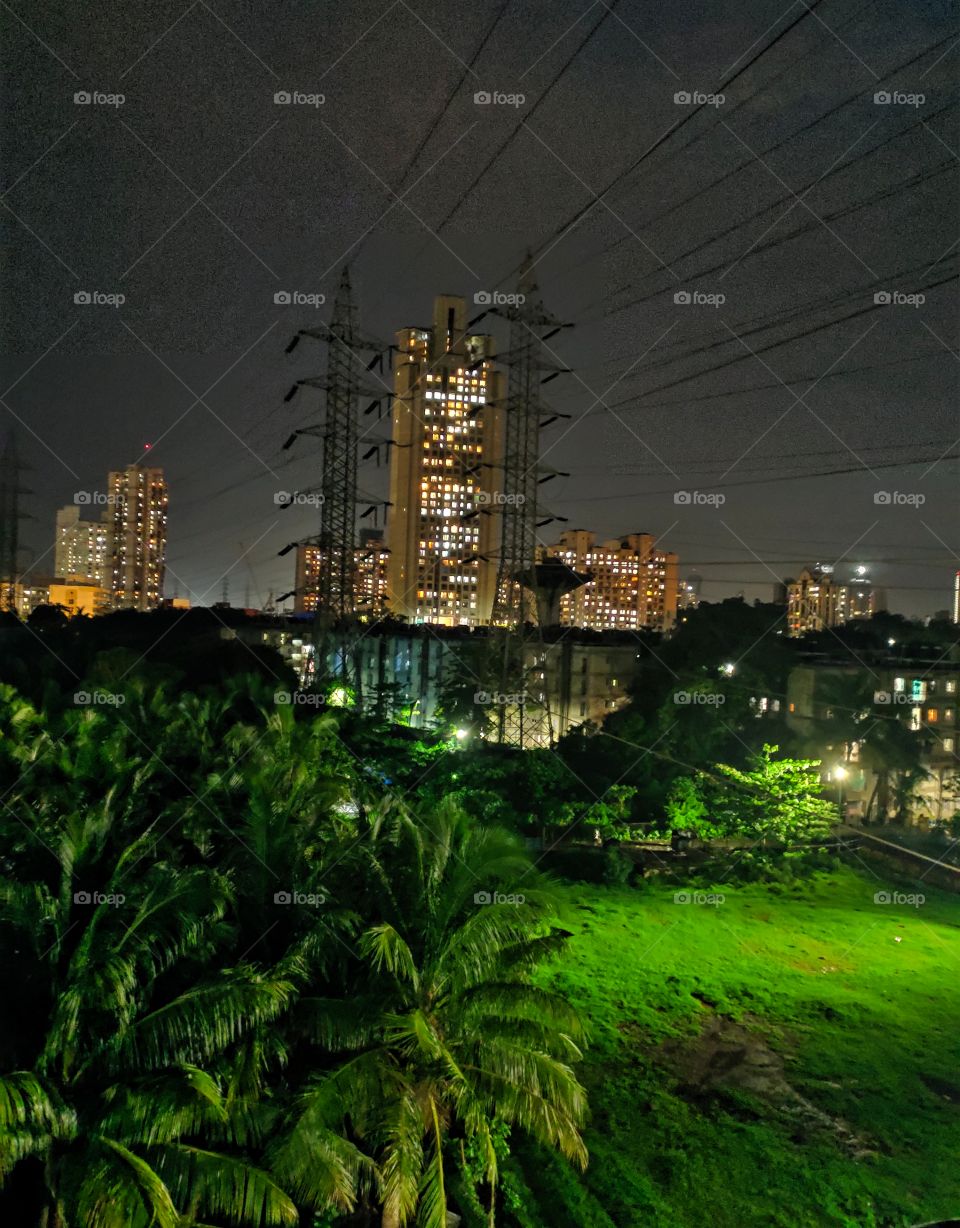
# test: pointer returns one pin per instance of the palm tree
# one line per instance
(445, 1031)
(129, 1097)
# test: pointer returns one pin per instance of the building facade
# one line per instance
(370, 562)
(817, 600)
(84, 548)
(633, 585)
(75, 596)
(445, 472)
(138, 507)
(923, 696)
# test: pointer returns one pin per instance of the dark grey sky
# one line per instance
(101, 197)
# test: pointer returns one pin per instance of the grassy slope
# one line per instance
(813, 966)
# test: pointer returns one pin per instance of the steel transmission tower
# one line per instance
(340, 435)
(521, 649)
(10, 517)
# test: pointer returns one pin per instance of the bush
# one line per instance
(617, 869)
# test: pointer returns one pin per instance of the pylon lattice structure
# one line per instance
(522, 658)
(340, 436)
(10, 517)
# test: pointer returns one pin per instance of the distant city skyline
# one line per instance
(762, 287)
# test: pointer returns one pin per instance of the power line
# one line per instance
(750, 162)
(579, 214)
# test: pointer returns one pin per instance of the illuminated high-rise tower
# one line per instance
(138, 502)
(445, 474)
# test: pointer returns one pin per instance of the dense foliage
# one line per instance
(250, 989)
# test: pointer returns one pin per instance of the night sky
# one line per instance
(199, 198)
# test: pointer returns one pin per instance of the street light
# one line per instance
(728, 668)
(840, 775)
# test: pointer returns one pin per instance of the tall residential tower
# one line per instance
(445, 474)
(138, 502)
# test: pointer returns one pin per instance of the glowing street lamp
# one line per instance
(840, 775)
(728, 668)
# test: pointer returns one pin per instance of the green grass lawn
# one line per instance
(863, 1028)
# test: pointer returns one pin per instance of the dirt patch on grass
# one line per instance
(729, 1057)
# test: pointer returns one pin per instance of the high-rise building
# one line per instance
(633, 585)
(689, 595)
(445, 472)
(956, 597)
(83, 548)
(816, 600)
(138, 506)
(369, 576)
